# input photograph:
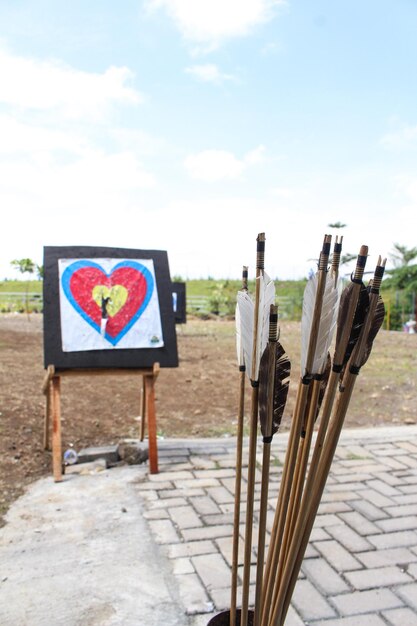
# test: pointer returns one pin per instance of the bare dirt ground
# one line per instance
(197, 399)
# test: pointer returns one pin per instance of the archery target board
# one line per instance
(108, 307)
(179, 302)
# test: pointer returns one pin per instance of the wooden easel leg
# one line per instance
(142, 410)
(47, 421)
(56, 430)
(149, 382)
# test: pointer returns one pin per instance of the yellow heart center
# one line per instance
(116, 298)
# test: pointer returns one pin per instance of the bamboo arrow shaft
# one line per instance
(283, 499)
(260, 259)
(335, 428)
(266, 459)
(238, 487)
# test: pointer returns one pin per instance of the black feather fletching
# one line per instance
(376, 324)
(281, 384)
(358, 320)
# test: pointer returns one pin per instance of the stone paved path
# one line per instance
(360, 567)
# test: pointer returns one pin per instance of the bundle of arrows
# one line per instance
(337, 333)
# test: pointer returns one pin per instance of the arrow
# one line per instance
(239, 445)
(275, 368)
(264, 297)
(369, 328)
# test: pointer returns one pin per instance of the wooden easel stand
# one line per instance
(51, 388)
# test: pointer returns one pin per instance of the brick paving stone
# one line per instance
(394, 464)
(380, 558)
(339, 496)
(191, 548)
(350, 539)
(358, 620)
(407, 489)
(204, 505)
(221, 598)
(183, 566)
(213, 571)
(412, 570)
(309, 603)
(411, 479)
(377, 577)
(319, 534)
(324, 577)
(368, 510)
(163, 503)
(224, 544)
(383, 487)
(156, 514)
(376, 498)
(394, 540)
(409, 461)
(337, 555)
(209, 532)
(171, 476)
(390, 479)
(185, 517)
(410, 498)
(310, 552)
(165, 484)
(293, 619)
(355, 478)
(359, 523)
(407, 445)
(401, 617)
(220, 518)
(195, 483)
(409, 594)
(325, 520)
(193, 595)
(398, 523)
(187, 491)
(345, 486)
(366, 601)
(201, 462)
(172, 465)
(163, 531)
(215, 473)
(402, 511)
(220, 494)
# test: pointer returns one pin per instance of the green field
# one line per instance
(212, 297)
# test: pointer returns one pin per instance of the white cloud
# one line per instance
(31, 84)
(255, 156)
(213, 21)
(208, 73)
(405, 137)
(214, 165)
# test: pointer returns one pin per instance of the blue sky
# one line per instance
(192, 125)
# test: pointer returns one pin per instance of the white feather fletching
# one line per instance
(266, 298)
(327, 323)
(246, 307)
(239, 343)
(246, 315)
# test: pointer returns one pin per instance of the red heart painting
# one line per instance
(119, 297)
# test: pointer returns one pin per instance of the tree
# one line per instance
(25, 266)
(403, 277)
(401, 256)
(337, 225)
